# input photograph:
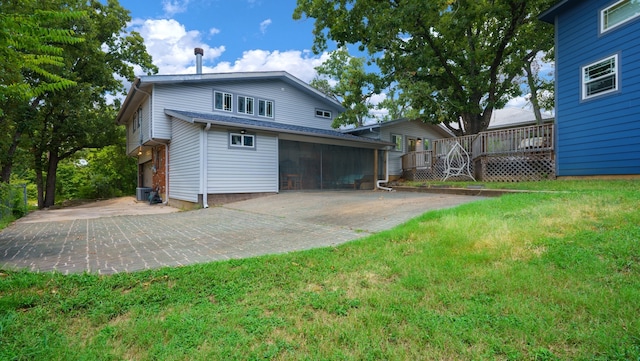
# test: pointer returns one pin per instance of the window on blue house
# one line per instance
(618, 14)
(600, 77)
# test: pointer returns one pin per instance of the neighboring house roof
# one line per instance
(142, 84)
(439, 127)
(222, 120)
(549, 15)
(515, 117)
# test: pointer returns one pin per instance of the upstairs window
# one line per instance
(323, 113)
(223, 101)
(600, 78)
(397, 139)
(245, 105)
(619, 13)
(265, 108)
(241, 140)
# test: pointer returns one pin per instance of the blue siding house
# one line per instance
(597, 46)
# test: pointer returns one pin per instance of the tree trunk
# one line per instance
(534, 91)
(7, 166)
(39, 180)
(52, 167)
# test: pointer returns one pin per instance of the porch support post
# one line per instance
(376, 169)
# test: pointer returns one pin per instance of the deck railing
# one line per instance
(493, 150)
(536, 138)
(417, 160)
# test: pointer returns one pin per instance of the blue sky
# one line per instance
(236, 35)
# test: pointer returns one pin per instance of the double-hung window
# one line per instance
(397, 139)
(618, 14)
(245, 105)
(265, 108)
(600, 78)
(222, 101)
(239, 140)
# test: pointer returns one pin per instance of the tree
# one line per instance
(68, 120)
(454, 61)
(30, 64)
(353, 86)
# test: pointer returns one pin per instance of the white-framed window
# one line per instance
(265, 108)
(397, 139)
(600, 77)
(245, 105)
(242, 140)
(137, 119)
(323, 113)
(618, 13)
(222, 101)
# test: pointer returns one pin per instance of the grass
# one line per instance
(541, 276)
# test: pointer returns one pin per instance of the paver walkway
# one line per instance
(280, 223)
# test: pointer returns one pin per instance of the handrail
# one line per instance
(535, 138)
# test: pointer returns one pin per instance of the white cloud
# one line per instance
(171, 45)
(264, 25)
(172, 7)
(214, 31)
(300, 64)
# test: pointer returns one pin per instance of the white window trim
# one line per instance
(224, 95)
(616, 74)
(401, 142)
(602, 18)
(266, 115)
(242, 137)
(321, 113)
(246, 102)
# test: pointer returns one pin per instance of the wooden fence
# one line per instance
(510, 155)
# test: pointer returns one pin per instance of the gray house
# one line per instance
(406, 135)
(209, 138)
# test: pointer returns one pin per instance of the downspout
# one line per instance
(386, 171)
(205, 169)
(166, 173)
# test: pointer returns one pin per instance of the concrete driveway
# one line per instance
(106, 243)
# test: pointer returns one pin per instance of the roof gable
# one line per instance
(143, 84)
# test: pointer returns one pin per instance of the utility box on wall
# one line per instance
(142, 193)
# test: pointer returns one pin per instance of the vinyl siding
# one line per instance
(291, 106)
(237, 170)
(412, 129)
(141, 134)
(184, 162)
(598, 136)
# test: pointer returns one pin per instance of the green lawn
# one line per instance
(541, 276)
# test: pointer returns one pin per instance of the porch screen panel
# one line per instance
(322, 166)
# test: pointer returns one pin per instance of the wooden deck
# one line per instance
(510, 155)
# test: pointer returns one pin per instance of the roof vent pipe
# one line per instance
(199, 52)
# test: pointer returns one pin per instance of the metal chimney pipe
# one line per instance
(199, 52)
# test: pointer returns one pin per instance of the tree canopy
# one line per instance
(57, 123)
(353, 86)
(450, 61)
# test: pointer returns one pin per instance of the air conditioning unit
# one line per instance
(142, 193)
